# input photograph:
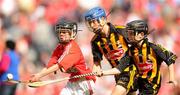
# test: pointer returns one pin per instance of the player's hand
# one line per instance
(34, 78)
(99, 73)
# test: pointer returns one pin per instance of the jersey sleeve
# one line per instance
(164, 54)
(122, 31)
(124, 62)
(97, 55)
(72, 56)
(55, 56)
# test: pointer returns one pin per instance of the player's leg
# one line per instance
(67, 89)
(122, 89)
(134, 87)
(80, 87)
(86, 86)
(119, 90)
(125, 81)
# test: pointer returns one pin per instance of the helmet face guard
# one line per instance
(96, 28)
(131, 36)
(69, 27)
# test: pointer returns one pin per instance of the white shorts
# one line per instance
(81, 87)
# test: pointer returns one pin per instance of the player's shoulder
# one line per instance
(119, 27)
(151, 44)
(59, 46)
(73, 46)
(74, 43)
(157, 46)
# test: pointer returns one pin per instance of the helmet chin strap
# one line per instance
(73, 36)
(145, 36)
(97, 31)
(67, 41)
(135, 43)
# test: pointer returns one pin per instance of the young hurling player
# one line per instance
(68, 58)
(147, 57)
(108, 41)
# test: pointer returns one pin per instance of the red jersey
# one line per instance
(70, 58)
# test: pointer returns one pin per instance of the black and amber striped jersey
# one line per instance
(112, 47)
(148, 59)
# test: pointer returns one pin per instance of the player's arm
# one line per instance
(113, 71)
(172, 74)
(169, 59)
(51, 66)
(170, 62)
(123, 63)
(97, 57)
(44, 72)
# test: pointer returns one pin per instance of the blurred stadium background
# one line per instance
(30, 23)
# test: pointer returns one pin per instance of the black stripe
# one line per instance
(117, 61)
(148, 48)
(140, 55)
(110, 44)
(116, 38)
(149, 74)
(103, 47)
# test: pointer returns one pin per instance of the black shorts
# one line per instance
(127, 78)
(147, 88)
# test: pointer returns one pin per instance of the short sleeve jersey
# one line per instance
(148, 59)
(112, 47)
(70, 58)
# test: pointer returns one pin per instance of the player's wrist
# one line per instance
(172, 82)
(99, 73)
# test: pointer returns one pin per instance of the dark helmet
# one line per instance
(135, 27)
(138, 26)
(95, 14)
(72, 26)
